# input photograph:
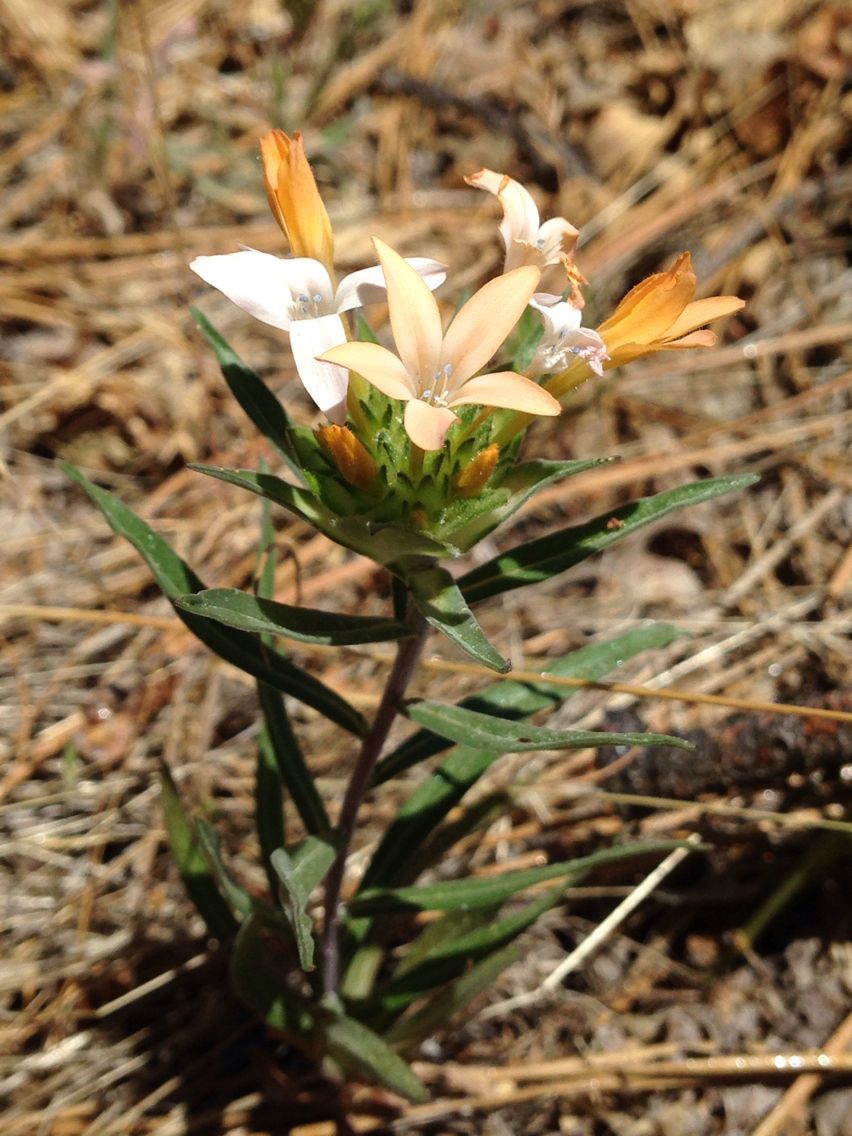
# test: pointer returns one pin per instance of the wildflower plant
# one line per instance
(415, 459)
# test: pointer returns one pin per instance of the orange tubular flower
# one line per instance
(294, 198)
(659, 314)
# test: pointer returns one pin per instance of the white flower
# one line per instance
(564, 337)
(297, 296)
(549, 246)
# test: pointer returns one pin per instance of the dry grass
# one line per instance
(130, 137)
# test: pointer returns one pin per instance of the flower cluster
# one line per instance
(435, 372)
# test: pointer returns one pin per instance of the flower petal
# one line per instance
(414, 316)
(367, 286)
(506, 389)
(255, 281)
(648, 311)
(377, 365)
(485, 320)
(556, 238)
(294, 197)
(559, 317)
(700, 312)
(520, 213)
(427, 425)
(325, 383)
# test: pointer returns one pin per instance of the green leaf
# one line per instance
(192, 865)
(452, 925)
(291, 762)
(542, 559)
(310, 625)
(385, 542)
(456, 955)
(259, 403)
(260, 986)
(486, 732)
(298, 875)
(439, 600)
(485, 891)
(176, 579)
(434, 1015)
(512, 699)
(268, 805)
(354, 1046)
(236, 896)
(463, 524)
(294, 498)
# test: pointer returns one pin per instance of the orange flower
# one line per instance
(659, 314)
(294, 198)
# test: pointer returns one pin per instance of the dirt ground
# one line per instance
(129, 130)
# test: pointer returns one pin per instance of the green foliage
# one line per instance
(441, 603)
(298, 874)
(542, 559)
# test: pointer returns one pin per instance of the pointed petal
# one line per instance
(520, 214)
(559, 317)
(367, 286)
(294, 197)
(702, 338)
(557, 237)
(255, 281)
(700, 312)
(427, 425)
(485, 320)
(325, 383)
(414, 316)
(648, 311)
(506, 389)
(377, 365)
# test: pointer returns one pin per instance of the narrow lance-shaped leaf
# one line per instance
(354, 1046)
(485, 891)
(268, 780)
(176, 579)
(541, 559)
(458, 954)
(291, 762)
(193, 867)
(497, 734)
(439, 600)
(236, 896)
(463, 524)
(516, 700)
(262, 987)
(450, 1000)
(298, 874)
(259, 403)
(310, 625)
(432, 800)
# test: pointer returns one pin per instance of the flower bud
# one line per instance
(349, 455)
(471, 480)
(294, 198)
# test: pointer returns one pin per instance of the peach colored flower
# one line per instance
(294, 198)
(435, 371)
(659, 314)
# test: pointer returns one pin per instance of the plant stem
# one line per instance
(407, 656)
